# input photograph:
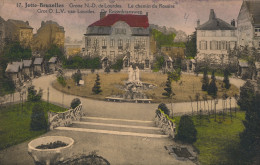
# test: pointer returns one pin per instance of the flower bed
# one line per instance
(52, 145)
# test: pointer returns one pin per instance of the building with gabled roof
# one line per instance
(122, 36)
(214, 39)
(28, 67)
(38, 65)
(248, 24)
(17, 30)
(13, 71)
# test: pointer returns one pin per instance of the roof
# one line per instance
(53, 60)
(131, 20)
(38, 61)
(243, 63)
(20, 24)
(215, 23)
(12, 68)
(254, 10)
(20, 63)
(27, 63)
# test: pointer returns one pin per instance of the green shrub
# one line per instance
(33, 95)
(164, 108)
(97, 88)
(75, 102)
(187, 132)
(77, 77)
(38, 120)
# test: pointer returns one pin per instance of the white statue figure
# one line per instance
(137, 74)
(130, 74)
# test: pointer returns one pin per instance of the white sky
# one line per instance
(75, 24)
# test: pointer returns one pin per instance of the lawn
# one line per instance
(217, 142)
(15, 123)
(189, 85)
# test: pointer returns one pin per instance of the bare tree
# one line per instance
(197, 97)
(191, 105)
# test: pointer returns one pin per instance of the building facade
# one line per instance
(19, 31)
(119, 36)
(214, 40)
(50, 33)
(248, 24)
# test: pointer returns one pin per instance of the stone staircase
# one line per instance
(120, 127)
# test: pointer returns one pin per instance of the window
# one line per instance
(257, 31)
(88, 42)
(100, 30)
(203, 45)
(223, 45)
(120, 31)
(112, 43)
(128, 43)
(213, 45)
(120, 42)
(136, 42)
(144, 43)
(96, 42)
(104, 43)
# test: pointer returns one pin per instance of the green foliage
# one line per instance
(33, 96)
(163, 39)
(250, 137)
(15, 125)
(15, 52)
(226, 79)
(78, 62)
(246, 96)
(54, 51)
(159, 62)
(107, 69)
(168, 89)
(187, 132)
(205, 80)
(213, 89)
(97, 88)
(118, 65)
(77, 76)
(191, 46)
(61, 80)
(38, 120)
(75, 102)
(164, 108)
(175, 75)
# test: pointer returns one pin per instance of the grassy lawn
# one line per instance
(218, 142)
(189, 85)
(15, 123)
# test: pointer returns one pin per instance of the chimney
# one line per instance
(233, 22)
(212, 14)
(198, 22)
(102, 14)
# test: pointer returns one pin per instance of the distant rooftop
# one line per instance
(215, 23)
(12, 68)
(20, 24)
(38, 61)
(53, 60)
(27, 63)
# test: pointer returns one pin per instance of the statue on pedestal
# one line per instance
(130, 74)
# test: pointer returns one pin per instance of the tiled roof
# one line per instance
(215, 23)
(27, 63)
(53, 60)
(38, 61)
(254, 10)
(18, 63)
(131, 20)
(20, 24)
(12, 68)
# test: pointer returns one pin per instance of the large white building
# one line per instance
(119, 36)
(214, 38)
(248, 24)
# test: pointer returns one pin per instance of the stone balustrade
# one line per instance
(64, 118)
(166, 125)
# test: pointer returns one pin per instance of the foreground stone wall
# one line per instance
(64, 118)
(166, 125)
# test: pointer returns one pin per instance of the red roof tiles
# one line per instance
(131, 20)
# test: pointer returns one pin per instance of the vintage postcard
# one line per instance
(129, 82)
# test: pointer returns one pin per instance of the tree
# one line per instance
(191, 46)
(226, 79)
(213, 89)
(187, 132)
(75, 102)
(33, 96)
(168, 89)
(191, 105)
(249, 138)
(77, 76)
(246, 96)
(118, 65)
(38, 120)
(175, 75)
(54, 51)
(164, 108)
(97, 88)
(159, 62)
(205, 80)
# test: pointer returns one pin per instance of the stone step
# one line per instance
(117, 127)
(112, 132)
(143, 123)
